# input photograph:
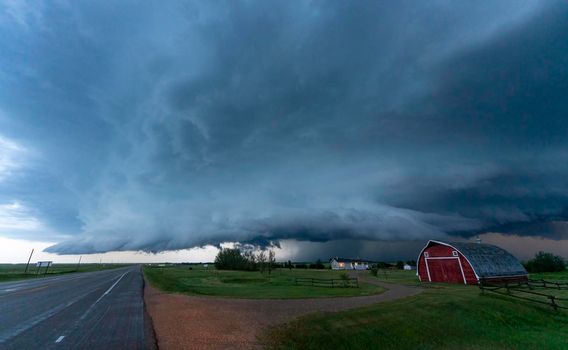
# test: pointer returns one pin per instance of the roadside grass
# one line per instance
(13, 272)
(442, 317)
(280, 284)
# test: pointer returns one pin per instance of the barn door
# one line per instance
(445, 270)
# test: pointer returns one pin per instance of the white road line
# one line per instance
(60, 339)
(102, 296)
(5, 335)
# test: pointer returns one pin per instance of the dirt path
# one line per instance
(192, 322)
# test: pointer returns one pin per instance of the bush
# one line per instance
(545, 262)
(301, 266)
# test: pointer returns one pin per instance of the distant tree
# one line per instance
(230, 259)
(261, 260)
(251, 260)
(545, 262)
(290, 265)
(317, 265)
(400, 265)
(271, 260)
(374, 270)
(383, 265)
(301, 266)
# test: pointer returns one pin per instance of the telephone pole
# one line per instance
(28, 264)
(79, 263)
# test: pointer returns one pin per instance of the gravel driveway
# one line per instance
(193, 322)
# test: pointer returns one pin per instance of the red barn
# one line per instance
(468, 263)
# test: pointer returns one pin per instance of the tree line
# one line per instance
(545, 262)
(234, 259)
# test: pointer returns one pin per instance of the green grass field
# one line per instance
(241, 284)
(12, 272)
(442, 317)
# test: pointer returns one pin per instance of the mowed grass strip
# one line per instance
(14, 272)
(442, 317)
(280, 284)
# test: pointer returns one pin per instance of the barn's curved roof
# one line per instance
(488, 260)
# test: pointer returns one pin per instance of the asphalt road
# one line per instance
(92, 310)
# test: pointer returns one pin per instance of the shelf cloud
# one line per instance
(161, 126)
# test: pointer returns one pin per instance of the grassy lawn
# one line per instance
(551, 276)
(408, 278)
(442, 317)
(12, 272)
(240, 284)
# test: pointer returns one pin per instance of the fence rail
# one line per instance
(328, 282)
(548, 284)
(526, 291)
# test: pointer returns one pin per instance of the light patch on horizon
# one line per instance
(525, 247)
(15, 251)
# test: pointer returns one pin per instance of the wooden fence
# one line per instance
(532, 290)
(328, 282)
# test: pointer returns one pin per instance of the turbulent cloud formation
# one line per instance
(165, 126)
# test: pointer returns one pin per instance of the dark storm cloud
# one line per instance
(180, 125)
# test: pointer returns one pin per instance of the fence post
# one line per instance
(553, 302)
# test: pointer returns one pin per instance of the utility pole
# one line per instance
(28, 264)
(79, 263)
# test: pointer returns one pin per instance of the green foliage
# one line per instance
(232, 259)
(400, 265)
(545, 262)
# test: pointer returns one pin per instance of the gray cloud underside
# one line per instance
(174, 126)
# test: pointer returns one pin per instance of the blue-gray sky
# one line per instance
(167, 125)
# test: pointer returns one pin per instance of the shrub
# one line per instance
(545, 262)
(301, 266)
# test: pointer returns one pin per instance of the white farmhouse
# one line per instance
(338, 263)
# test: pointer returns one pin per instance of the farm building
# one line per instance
(348, 264)
(407, 267)
(468, 263)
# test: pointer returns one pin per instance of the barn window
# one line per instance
(426, 254)
(454, 253)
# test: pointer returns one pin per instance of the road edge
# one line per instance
(150, 339)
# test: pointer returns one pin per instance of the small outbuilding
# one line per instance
(468, 263)
(338, 263)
